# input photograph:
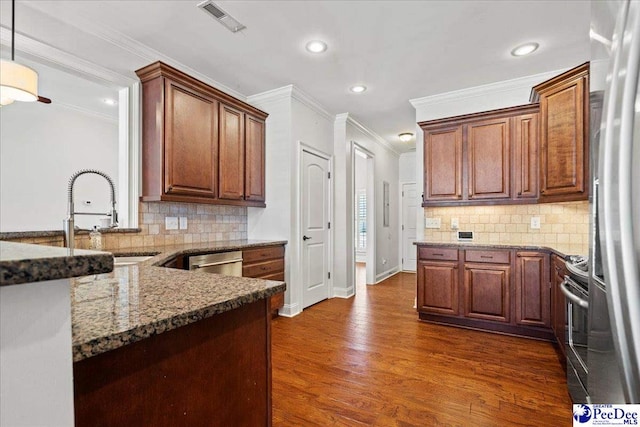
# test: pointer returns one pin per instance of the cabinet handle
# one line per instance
(541, 191)
(519, 193)
(486, 257)
(438, 254)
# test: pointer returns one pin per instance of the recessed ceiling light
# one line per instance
(405, 137)
(110, 101)
(358, 88)
(525, 49)
(316, 46)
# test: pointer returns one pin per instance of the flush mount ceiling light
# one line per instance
(525, 49)
(405, 137)
(358, 88)
(221, 16)
(316, 46)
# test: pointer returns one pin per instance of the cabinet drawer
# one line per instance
(495, 257)
(250, 256)
(437, 254)
(262, 269)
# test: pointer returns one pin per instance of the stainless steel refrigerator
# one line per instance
(614, 285)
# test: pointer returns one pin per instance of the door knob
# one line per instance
(305, 238)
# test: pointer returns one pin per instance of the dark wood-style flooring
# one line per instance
(368, 361)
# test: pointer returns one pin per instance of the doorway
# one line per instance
(409, 212)
(315, 213)
(363, 213)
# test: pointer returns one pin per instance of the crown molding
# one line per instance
(134, 47)
(62, 59)
(87, 112)
(346, 118)
(526, 82)
(310, 102)
(291, 92)
(272, 95)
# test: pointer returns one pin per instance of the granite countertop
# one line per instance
(24, 263)
(520, 247)
(139, 301)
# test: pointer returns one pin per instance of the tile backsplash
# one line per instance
(563, 226)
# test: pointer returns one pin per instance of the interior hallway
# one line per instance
(368, 361)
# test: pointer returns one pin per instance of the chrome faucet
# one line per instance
(69, 226)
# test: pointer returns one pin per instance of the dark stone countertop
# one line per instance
(139, 301)
(22, 263)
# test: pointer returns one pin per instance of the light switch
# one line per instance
(454, 223)
(183, 223)
(432, 222)
(535, 222)
(171, 223)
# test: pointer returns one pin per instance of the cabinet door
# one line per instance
(532, 290)
(563, 145)
(438, 287)
(254, 172)
(487, 290)
(525, 139)
(190, 150)
(231, 153)
(489, 157)
(443, 164)
(559, 306)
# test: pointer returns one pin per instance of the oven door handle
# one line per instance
(211, 264)
(573, 297)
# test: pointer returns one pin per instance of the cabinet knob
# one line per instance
(519, 193)
(541, 191)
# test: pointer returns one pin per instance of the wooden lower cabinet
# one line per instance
(558, 304)
(499, 290)
(486, 292)
(438, 287)
(265, 262)
(532, 289)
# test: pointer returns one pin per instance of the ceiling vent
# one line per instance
(221, 16)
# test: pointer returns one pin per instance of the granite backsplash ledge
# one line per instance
(205, 223)
(564, 226)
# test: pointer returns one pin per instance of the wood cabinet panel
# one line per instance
(191, 141)
(443, 164)
(525, 139)
(437, 254)
(250, 256)
(494, 257)
(231, 153)
(558, 303)
(532, 289)
(486, 292)
(254, 179)
(438, 287)
(263, 268)
(563, 136)
(489, 152)
(266, 262)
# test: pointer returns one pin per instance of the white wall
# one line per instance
(41, 146)
(294, 119)
(347, 133)
(407, 167)
(471, 100)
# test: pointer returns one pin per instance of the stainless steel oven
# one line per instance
(577, 295)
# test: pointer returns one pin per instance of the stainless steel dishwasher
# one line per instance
(228, 263)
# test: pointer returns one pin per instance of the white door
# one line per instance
(409, 211)
(315, 228)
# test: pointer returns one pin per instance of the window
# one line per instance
(361, 220)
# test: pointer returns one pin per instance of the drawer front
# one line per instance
(262, 269)
(279, 276)
(277, 301)
(495, 257)
(250, 256)
(437, 254)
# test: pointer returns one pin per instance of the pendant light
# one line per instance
(17, 82)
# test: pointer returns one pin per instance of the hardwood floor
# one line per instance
(368, 361)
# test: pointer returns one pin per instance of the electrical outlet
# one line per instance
(171, 223)
(432, 222)
(183, 223)
(535, 222)
(455, 224)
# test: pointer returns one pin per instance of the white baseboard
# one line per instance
(386, 274)
(344, 292)
(289, 310)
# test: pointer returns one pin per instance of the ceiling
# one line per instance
(400, 50)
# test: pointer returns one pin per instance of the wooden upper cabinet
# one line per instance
(564, 116)
(443, 164)
(525, 169)
(231, 153)
(488, 147)
(193, 142)
(254, 154)
(471, 159)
